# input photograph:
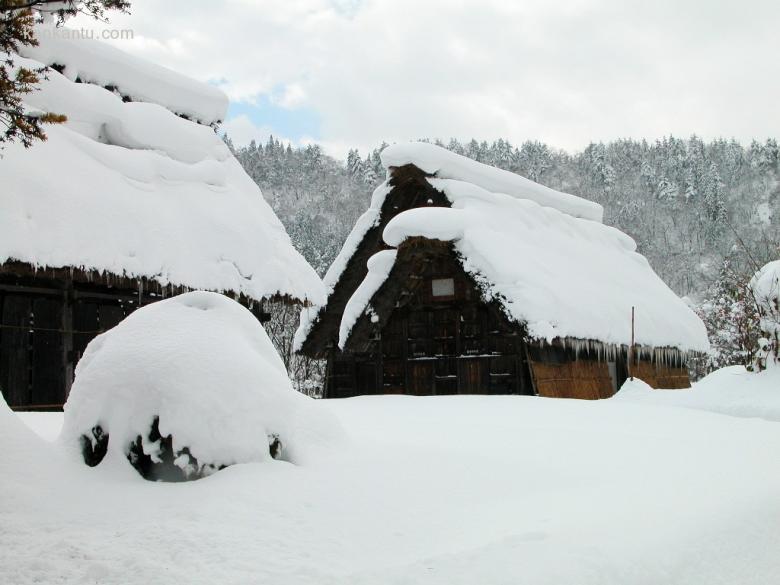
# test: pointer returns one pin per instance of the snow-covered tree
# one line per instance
(730, 315)
(765, 286)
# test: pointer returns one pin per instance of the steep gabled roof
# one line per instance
(558, 275)
(405, 189)
(132, 189)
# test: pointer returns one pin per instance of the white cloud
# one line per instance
(565, 72)
(242, 131)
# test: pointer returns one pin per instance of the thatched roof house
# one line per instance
(463, 278)
(131, 200)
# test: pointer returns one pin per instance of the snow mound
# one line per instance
(92, 61)
(202, 365)
(734, 391)
(444, 164)
(562, 276)
(162, 195)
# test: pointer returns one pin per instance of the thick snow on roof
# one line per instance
(94, 62)
(132, 189)
(561, 276)
(444, 164)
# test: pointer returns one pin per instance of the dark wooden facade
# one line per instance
(431, 333)
(47, 318)
(430, 330)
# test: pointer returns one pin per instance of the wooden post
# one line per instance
(631, 349)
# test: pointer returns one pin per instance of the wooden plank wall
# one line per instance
(15, 348)
(42, 337)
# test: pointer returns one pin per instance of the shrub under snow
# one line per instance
(181, 388)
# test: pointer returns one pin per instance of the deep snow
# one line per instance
(448, 490)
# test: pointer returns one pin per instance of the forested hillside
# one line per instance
(705, 214)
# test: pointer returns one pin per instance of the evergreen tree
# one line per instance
(17, 20)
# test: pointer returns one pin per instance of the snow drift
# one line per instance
(733, 390)
(199, 368)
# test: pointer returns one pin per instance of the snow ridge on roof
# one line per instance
(99, 63)
(444, 164)
(134, 190)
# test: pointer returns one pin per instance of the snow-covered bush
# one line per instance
(730, 315)
(765, 286)
(182, 388)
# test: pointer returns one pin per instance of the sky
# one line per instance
(352, 73)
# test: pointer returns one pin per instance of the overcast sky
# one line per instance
(351, 73)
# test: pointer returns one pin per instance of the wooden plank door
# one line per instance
(473, 376)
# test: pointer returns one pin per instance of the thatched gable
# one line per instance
(408, 189)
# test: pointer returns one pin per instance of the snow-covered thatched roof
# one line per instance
(139, 80)
(132, 189)
(544, 256)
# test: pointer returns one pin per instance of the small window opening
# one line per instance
(443, 288)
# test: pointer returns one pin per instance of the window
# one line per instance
(443, 288)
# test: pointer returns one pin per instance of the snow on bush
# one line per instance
(181, 388)
(765, 286)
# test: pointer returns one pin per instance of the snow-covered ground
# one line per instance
(732, 390)
(440, 490)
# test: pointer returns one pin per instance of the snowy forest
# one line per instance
(706, 215)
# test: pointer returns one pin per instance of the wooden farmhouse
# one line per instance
(130, 201)
(463, 278)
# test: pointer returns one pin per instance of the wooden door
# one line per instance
(420, 378)
(473, 376)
